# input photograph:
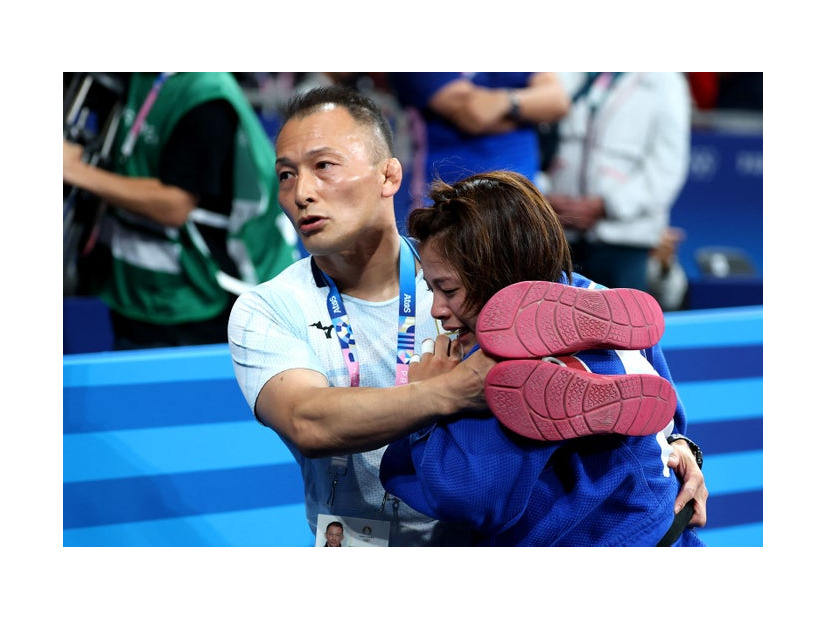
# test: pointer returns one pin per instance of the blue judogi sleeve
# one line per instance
(469, 469)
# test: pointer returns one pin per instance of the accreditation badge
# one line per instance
(341, 531)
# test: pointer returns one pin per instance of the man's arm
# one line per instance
(195, 165)
(322, 420)
(479, 110)
(166, 204)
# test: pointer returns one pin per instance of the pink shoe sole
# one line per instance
(541, 400)
(535, 319)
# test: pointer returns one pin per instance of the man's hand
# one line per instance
(684, 464)
(578, 213)
(438, 357)
(462, 382)
(72, 161)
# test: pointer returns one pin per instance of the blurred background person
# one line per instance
(621, 161)
(464, 123)
(192, 218)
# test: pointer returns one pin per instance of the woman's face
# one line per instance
(448, 296)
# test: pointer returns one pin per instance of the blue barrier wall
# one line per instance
(160, 448)
(722, 201)
(721, 207)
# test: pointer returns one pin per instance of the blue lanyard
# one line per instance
(407, 318)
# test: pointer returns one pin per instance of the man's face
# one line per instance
(330, 184)
(448, 296)
(334, 535)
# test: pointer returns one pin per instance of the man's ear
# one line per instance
(392, 177)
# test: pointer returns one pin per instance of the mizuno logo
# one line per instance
(327, 329)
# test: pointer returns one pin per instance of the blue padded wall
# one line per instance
(160, 448)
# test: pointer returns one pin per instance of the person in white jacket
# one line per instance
(621, 160)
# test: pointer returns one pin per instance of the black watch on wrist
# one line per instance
(514, 113)
(695, 449)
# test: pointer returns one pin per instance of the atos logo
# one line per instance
(407, 300)
(335, 306)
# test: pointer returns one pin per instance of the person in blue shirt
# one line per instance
(477, 122)
(511, 483)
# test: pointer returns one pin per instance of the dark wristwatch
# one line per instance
(695, 449)
(515, 111)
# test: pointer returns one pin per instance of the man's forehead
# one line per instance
(326, 124)
(330, 130)
(326, 113)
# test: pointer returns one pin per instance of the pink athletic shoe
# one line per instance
(533, 319)
(542, 400)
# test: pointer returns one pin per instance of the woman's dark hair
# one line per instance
(495, 229)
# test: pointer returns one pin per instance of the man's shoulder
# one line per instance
(294, 277)
(292, 283)
(287, 298)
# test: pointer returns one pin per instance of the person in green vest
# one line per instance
(193, 218)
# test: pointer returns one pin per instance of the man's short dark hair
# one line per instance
(363, 109)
